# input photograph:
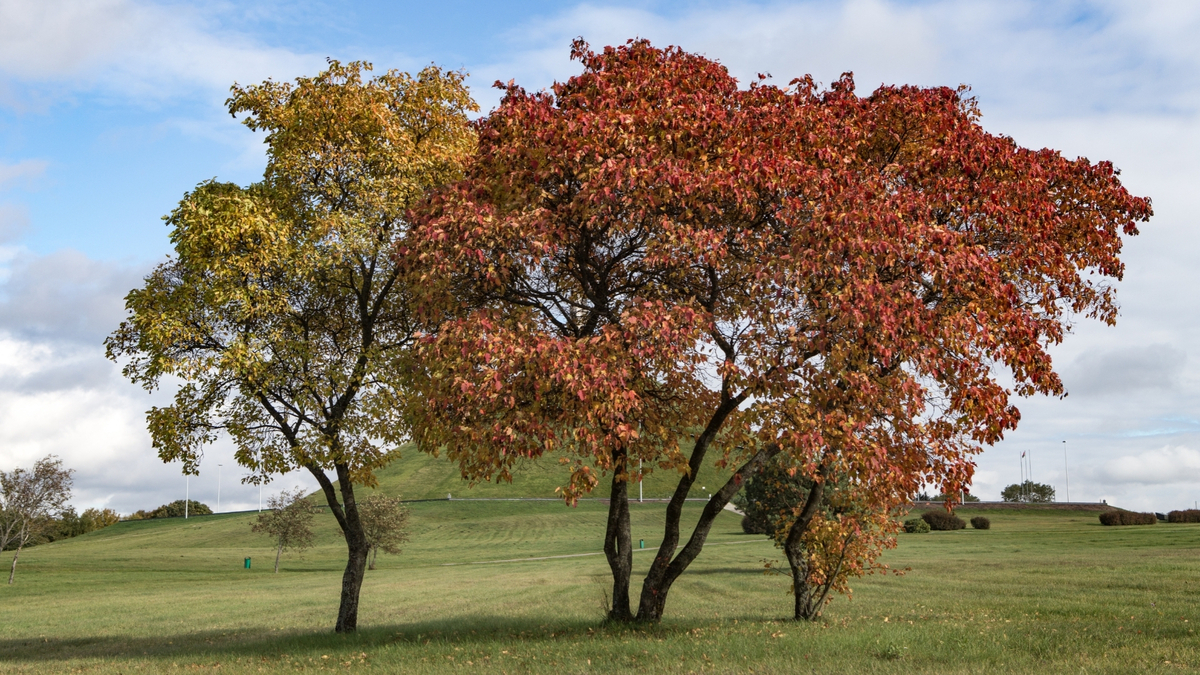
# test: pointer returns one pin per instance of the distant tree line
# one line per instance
(175, 509)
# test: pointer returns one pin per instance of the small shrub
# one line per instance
(981, 523)
(916, 526)
(753, 526)
(1127, 518)
(1185, 516)
(940, 520)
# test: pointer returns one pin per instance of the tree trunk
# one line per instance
(356, 562)
(801, 591)
(278, 553)
(12, 572)
(667, 566)
(618, 542)
(374, 554)
(356, 566)
(346, 514)
(805, 607)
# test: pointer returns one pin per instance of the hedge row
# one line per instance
(1127, 518)
(1185, 516)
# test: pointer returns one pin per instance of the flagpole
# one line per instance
(1024, 488)
(1066, 474)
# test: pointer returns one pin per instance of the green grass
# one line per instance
(1042, 591)
(417, 475)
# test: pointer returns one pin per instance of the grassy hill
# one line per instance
(520, 587)
(417, 475)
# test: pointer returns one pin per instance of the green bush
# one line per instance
(940, 520)
(753, 525)
(173, 510)
(176, 509)
(769, 496)
(916, 526)
(1185, 516)
(1127, 518)
(981, 523)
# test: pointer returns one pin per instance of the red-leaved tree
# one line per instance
(667, 270)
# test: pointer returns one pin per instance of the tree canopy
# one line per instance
(662, 269)
(285, 311)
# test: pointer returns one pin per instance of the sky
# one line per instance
(110, 110)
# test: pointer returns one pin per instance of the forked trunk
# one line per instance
(808, 598)
(667, 566)
(618, 542)
(12, 572)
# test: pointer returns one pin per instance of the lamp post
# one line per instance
(218, 488)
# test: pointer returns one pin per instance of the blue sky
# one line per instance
(110, 110)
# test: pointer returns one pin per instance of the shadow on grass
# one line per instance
(707, 571)
(223, 645)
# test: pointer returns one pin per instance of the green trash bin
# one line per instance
(247, 563)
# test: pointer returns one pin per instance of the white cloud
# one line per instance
(28, 168)
(134, 49)
(65, 296)
(1125, 370)
(14, 221)
(785, 39)
(1164, 466)
(68, 400)
(1036, 57)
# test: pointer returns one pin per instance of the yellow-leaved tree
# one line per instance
(286, 313)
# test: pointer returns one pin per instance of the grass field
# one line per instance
(1042, 591)
(417, 475)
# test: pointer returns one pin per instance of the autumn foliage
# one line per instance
(648, 267)
(284, 311)
(661, 266)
